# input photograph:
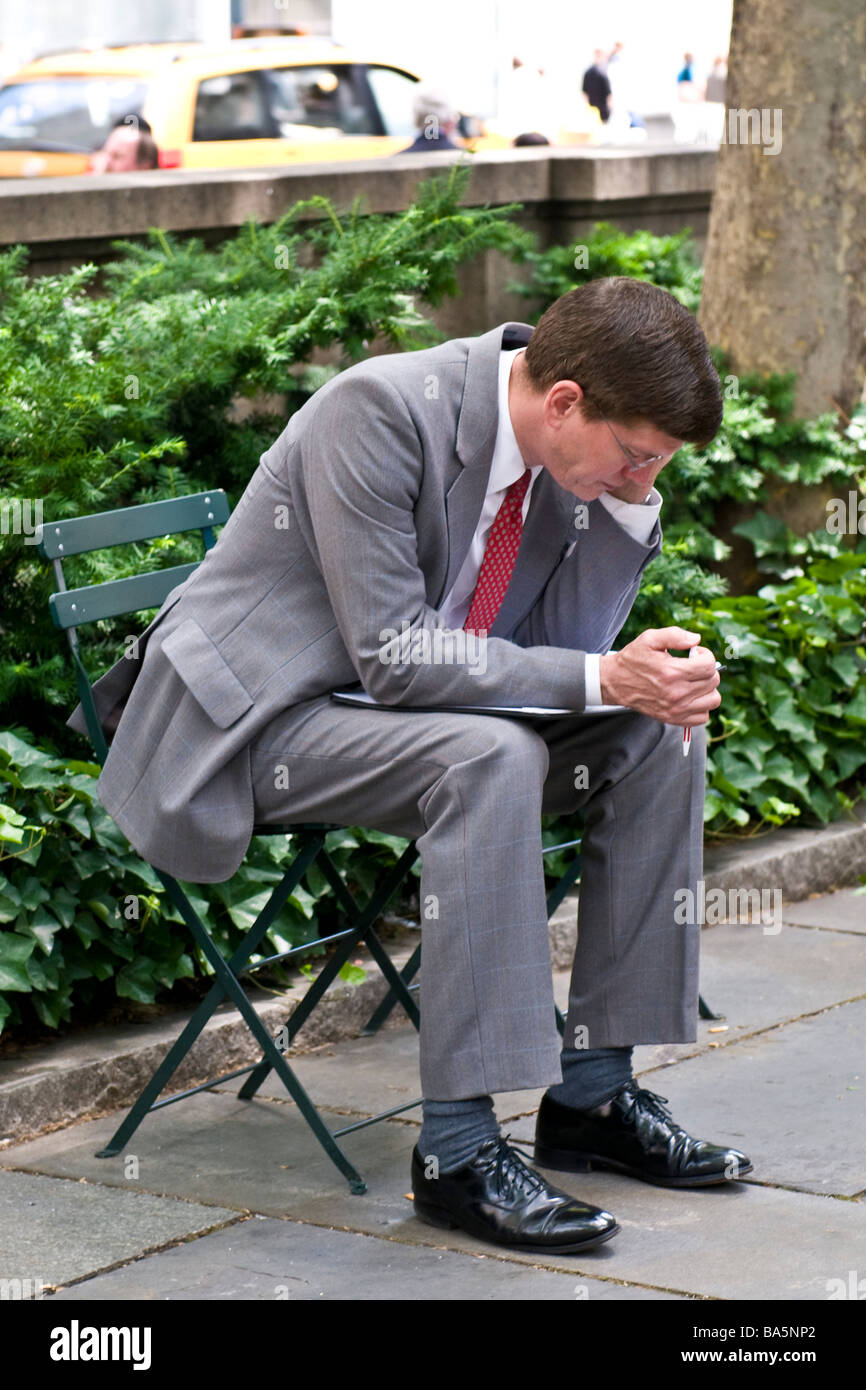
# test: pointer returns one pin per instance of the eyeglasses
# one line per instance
(633, 467)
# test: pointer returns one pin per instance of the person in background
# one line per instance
(688, 88)
(596, 85)
(130, 146)
(530, 137)
(436, 120)
(717, 80)
(687, 71)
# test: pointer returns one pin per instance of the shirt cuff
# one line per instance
(592, 678)
(637, 518)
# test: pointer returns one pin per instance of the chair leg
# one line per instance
(210, 1002)
(562, 885)
(385, 1007)
(363, 932)
(226, 984)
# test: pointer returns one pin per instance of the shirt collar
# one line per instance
(508, 464)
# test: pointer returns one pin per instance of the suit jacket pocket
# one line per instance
(206, 674)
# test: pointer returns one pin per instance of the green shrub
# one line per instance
(789, 739)
(128, 397)
(84, 921)
(669, 261)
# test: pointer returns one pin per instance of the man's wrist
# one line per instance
(606, 670)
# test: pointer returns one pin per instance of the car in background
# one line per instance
(265, 101)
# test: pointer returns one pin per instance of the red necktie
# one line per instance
(500, 553)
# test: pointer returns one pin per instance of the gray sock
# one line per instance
(454, 1130)
(591, 1076)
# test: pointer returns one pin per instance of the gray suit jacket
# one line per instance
(356, 521)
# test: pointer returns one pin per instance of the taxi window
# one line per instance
(232, 107)
(65, 113)
(395, 94)
(309, 103)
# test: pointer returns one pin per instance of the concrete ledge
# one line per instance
(795, 861)
(65, 221)
(80, 1078)
(798, 861)
(49, 1087)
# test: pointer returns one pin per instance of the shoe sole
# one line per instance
(566, 1161)
(445, 1221)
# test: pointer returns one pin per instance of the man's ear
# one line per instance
(562, 400)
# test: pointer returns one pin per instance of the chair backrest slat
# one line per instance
(78, 534)
(116, 596)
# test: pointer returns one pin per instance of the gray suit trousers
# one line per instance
(471, 789)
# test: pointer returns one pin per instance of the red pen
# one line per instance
(687, 732)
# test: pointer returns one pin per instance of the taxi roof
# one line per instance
(146, 59)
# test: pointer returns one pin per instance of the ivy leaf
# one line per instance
(352, 974)
(15, 951)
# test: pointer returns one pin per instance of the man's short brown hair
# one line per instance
(637, 353)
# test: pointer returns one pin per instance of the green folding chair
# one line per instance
(74, 608)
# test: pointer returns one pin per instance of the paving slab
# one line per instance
(53, 1230)
(793, 1099)
(794, 1096)
(843, 911)
(87, 1075)
(784, 1082)
(755, 980)
(739, 1242)
(742, 1241)
(265, 1259)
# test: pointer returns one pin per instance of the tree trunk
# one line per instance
(785, 265)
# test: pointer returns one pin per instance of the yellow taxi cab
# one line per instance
(251, 102)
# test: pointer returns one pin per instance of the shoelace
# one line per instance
(680, 1142)
(510, 1166)
(652, 1101)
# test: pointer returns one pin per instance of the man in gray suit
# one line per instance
(466, 525)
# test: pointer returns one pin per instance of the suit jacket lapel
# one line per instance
(551, 510)
(476, 439)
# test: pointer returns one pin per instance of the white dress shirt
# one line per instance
(638, 518)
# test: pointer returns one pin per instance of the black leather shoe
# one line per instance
(632, 1133)
(498, 1198)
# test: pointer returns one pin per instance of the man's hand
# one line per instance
(645, 677)
(638, 485)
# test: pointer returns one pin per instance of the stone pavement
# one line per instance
(221, 1199)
